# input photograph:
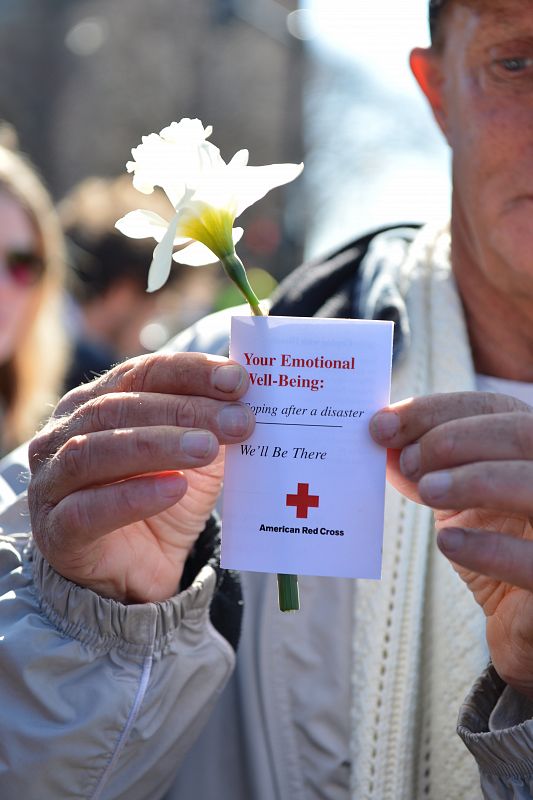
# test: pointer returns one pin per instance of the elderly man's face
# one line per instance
(481, 88)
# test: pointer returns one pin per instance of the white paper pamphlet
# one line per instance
(305, 494)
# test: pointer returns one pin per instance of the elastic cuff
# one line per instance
(506, 753)
(103, 623)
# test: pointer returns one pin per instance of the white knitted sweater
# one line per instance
(420, 630)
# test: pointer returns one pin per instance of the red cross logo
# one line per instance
(302, 500)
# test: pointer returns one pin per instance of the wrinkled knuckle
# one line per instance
(35, 499)
(37, 451)
(133, 376)
(42, 446)
(102, 413)
(477, 483)
(75, 515)
(518, 405)
(72, 399)
(190, 367)
(501, 403)
(498, 547)
(433, 412)
(523, 430)
(74, 456)
(43, 534)
(187, 413)
(130, 503)
(489, 403)
(40, 508)
(489, 481)
(148, 447)
(68, 402)
(444, 445)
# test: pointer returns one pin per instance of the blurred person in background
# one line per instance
(107, 278)
(33, 350)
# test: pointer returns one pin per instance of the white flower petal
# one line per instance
(142, 224)
(209, 158)
(141, 182)
(240, 159)
(195, 255)
(216, 189)
(206, 194)
(160, 163)
(237, 235)
(189, 128)
(174, 159)
(250, 184)
(162, 258)
(235, 188)
(198, 255)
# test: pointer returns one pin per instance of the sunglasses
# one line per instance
(24, 268)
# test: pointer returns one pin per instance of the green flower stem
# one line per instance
(288, 595)
(235, 271)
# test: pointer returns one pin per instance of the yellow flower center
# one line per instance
(210, 226)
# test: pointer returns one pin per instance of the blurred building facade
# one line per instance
(83, 80)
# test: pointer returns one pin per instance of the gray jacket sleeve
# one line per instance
(99, 700)
(496, 724)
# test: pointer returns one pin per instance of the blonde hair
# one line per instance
(32, 378)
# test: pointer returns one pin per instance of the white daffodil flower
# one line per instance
(171, 158)
(207, 195)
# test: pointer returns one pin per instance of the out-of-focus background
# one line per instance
(323, 81)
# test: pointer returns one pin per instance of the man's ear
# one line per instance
(426, 66)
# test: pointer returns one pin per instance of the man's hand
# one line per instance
(128, 469)
(469, 456)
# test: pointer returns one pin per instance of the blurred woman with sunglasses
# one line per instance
(32, 343)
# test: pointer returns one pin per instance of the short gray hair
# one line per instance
(435, 8)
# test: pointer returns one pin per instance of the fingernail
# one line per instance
(435, 485)
(450, 540)
(169, 485)
(228, 377)
(410, 460)
(384, 425)
(197, 443)
(234, 420)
